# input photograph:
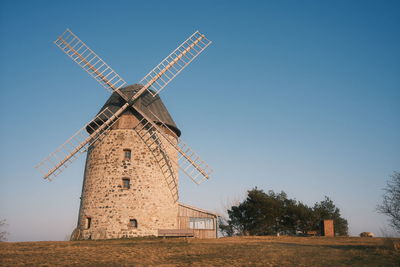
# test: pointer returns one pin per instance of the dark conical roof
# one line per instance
(146, 103)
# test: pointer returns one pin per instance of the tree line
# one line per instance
(270, 213)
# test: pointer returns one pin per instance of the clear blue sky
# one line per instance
(300, 96)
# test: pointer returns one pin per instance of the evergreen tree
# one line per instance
(274, 213)
(326, 210)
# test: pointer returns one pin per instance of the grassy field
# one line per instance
(236, 251)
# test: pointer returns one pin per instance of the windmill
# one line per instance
(130, 185)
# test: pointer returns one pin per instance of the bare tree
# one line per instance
(224, 228)
(391, 201)
(3, 234)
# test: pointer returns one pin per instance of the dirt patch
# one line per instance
(236, 251)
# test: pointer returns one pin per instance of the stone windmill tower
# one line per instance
(130, 185)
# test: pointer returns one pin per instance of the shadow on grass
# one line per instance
(344, 247)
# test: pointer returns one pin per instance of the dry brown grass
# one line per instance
(236, 251)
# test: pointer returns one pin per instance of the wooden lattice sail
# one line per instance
(154, 82)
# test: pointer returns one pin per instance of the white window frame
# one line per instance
(202, 223)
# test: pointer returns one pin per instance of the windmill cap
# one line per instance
(146, 102)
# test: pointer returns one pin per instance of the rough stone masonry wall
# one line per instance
(108, 204)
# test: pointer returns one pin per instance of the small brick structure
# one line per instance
(327, 228)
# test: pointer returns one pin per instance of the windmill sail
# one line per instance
(155, 143)
(175, 62)
(153, 82)
(63, 156)
(88, 60)
(189, 162)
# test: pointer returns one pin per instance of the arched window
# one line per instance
(88, 222)
(133, 223)
(126, 183)
(127, 154)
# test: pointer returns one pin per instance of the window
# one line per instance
(126, 183)
(201, 223)
(133, 223)
(127, 154)
(88, 222)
